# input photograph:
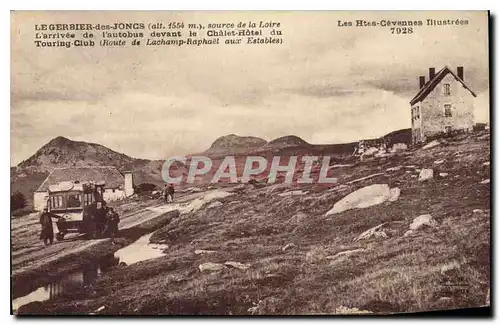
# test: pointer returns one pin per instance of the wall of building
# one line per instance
(40, 200)
(432, 108)
(129, 184)
(113, 195)
(416, 123)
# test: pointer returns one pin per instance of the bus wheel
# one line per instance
(60, 236)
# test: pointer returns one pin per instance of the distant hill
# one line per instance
(294, 145)
(399, 136)
(234, 144)
(63, 152)
(286, 142)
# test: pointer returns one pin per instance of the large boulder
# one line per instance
(366, 197)
(425, 174)
(424, 220)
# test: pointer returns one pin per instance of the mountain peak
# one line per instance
(234, 144)
(62, 152)
(287, 141)
(59, 140)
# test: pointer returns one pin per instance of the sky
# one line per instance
(325, 83)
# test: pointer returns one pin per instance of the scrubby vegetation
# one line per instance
(301, 261)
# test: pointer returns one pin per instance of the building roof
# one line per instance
(109, 174)
(431, 84)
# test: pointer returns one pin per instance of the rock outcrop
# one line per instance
(366, 197)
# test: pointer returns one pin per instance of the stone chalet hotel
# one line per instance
(442, 104)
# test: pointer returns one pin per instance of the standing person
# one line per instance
(171, 192)
(165, 194)
(112, 220)
(47, 233)
(100, 218)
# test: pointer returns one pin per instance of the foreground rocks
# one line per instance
(237, 265)
(431, 144)
(210, 267)
(424, 220)
(366, 197)
(298, 218)
(288, 246)
(213, 267)
(203, 251)
(214, 204)
(376, 232)
(425, 175)
(345, 253)
(346, 311)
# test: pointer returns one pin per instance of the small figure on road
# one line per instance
(112, 220)
(170, 192)
(47, 233)
(165, 194)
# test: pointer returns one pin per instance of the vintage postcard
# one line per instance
(250, 162)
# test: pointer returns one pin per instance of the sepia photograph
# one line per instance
(250, 163)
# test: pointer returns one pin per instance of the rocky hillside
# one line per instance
(63, 152)
(407, 232)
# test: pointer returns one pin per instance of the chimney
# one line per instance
(129, 183)
(432, 73)
(460, 72)
(422, 81)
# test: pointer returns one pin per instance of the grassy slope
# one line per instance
(435, 268)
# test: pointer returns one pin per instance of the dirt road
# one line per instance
(33, 262)
(38, 254)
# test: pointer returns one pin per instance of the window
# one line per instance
(88, 198)
(56, 202)
(74, 201)
(447, 89)
(416, 112)
(447, 110)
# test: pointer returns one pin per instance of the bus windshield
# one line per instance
(74, 201)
